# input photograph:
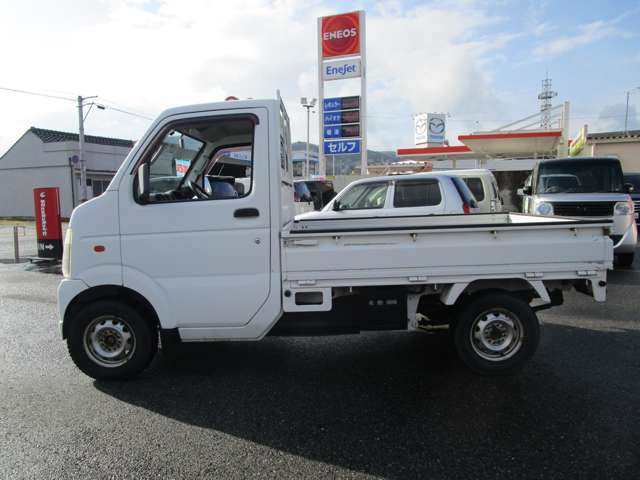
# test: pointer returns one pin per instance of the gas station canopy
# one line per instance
(492, 144)
(513, 144)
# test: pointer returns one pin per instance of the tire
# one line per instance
(625, 259)
(496, 333)
(110, 340)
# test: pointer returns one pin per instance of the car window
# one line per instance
(417, 193)
(465, 194)
(200, 159)
(302, 192)
(476, 187)
(364, 196)
(580, 176)
(633, 179)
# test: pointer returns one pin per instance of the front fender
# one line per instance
(155, 295)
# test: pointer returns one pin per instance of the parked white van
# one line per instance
(484, 187)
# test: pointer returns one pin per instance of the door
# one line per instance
(200, 236)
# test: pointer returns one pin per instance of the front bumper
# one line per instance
(67, 291)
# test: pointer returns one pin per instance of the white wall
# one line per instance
(16, 189)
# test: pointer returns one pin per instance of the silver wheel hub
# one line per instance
(496, 335)
(109, 341)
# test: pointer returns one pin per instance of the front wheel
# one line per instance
(110, 340)
(496, 333)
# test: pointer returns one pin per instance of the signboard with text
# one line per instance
(340, 35)
(341, 103)
(48, 223)
(341, 147)
(337, 118)
(340, 69)
(342, 56)
(342, 131)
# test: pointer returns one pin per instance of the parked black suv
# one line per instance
(322, 192)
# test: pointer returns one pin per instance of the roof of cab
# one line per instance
(225, 105)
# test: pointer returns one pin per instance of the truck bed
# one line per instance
(443, 249)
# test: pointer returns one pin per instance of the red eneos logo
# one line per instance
(340, 35)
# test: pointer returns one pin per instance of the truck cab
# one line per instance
(586, 188)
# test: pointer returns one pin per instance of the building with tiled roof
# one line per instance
(49, 158)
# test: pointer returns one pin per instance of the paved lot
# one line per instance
(376, 405)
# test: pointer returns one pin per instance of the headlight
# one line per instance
(544, 208)
(66, 255)
(623, 208)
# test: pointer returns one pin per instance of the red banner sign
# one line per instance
(48, 224)
(340, 35)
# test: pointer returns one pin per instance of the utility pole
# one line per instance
(83, 166)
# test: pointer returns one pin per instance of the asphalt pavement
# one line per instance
(394, 405)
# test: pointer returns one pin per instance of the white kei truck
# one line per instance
(195, 240)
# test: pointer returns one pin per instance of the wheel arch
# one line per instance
(110, 292)
(521, 287)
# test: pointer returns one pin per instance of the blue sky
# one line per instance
(480, 61)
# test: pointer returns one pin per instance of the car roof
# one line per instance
(468, 172)
(561, 161)
(411, 176)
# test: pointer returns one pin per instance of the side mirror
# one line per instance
(142, 183)
(629, 188)
(525, 191)
(336, 206)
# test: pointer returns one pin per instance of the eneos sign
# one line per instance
(340, 35)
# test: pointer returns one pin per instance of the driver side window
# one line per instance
(209, 159)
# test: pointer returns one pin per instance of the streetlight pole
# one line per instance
(308, 104)
(307, 157)
(626, 113)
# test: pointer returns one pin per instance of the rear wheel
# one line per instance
(496, 333)
(110, 340)
(625, 259)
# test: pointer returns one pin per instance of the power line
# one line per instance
(27, 92)
(58, 97)
(109, 107)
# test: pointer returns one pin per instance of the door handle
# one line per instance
(246, 213)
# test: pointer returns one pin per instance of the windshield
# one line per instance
(572, 176)
(364, 196)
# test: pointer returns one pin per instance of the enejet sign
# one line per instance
(341, 69)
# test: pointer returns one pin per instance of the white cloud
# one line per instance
(153, 55)
(586, 34)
